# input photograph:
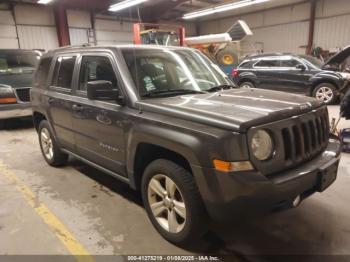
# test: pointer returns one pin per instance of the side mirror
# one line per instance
(301, 67)
(101, 89)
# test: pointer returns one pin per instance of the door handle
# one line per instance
(77, 108)
(50, 100)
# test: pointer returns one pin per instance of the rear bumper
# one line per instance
(239, 195)
(15, 110)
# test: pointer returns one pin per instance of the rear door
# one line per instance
(99, 124)
(268, 73)
(59, 99)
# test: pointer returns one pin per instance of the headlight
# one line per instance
(7, 95)
(6, 91)
(262, 145)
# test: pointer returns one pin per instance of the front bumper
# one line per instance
(239, 195)
(15, 110)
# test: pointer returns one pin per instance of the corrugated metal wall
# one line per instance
(286, 28)
(36, 27)
(80, 29)
(111, 32)
(8, 35)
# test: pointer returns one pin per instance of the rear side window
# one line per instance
(289, 63)
(63, 73)
(43, 71)
(268, 63)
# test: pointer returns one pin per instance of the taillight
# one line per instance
(235, 72)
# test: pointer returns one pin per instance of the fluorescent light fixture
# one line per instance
(125, 4)
(222, 8)
(44, 2)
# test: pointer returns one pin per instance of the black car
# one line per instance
(298, 74)
(17, 69)
(168, 122)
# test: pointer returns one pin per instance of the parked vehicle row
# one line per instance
(298, 74)
(17, 68)
(170, 123)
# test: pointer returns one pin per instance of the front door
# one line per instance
(294, 79)
(99, 124)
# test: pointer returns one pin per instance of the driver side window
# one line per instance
(94, 68)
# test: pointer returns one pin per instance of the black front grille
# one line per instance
(305, 139)
(297, 139)
(23, 94)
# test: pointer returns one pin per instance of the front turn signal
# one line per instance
(225, 166)
(8, 100)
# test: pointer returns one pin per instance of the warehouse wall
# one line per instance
(8, 35)
(80, 28)
(285, 29)
(36, 27)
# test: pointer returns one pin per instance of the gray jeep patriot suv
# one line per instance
(168, 122)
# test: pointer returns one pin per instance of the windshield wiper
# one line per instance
(173, 92)
(219, 88)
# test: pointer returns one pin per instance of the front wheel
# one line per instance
(173, 203)
(326, 93)
(49, 147)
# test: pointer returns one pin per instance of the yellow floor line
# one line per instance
(59, 229)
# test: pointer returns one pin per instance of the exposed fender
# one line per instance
(174, 140)
(327, 77)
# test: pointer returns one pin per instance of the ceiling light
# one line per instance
(125, 4)
(222, 8)
(44, 2)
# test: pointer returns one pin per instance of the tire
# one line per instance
(246, 84)
(227, 57)
(2, 124)
(49, 147)
(326, 93)
(193, 223)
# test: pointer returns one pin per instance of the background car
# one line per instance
(17, 68)
(291, 73)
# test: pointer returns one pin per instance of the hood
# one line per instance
(235, 109)
(338, 58)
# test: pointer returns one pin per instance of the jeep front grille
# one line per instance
(23, 94)
(305, 139)
(296, 140)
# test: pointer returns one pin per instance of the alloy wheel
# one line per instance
(46, 143)
(167, 204)
(324, 94)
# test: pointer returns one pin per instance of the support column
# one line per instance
(311, 26)
(62, 25)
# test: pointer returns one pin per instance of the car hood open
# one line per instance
(338, 58)
(235, 109)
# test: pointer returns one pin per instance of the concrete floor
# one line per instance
(106, 217)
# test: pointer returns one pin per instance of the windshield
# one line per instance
(311, 61)
(17, 63)
(170, 72)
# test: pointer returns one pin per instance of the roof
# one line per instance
(111, 47)
(269, 54)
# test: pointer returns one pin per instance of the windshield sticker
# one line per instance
(148, 83)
